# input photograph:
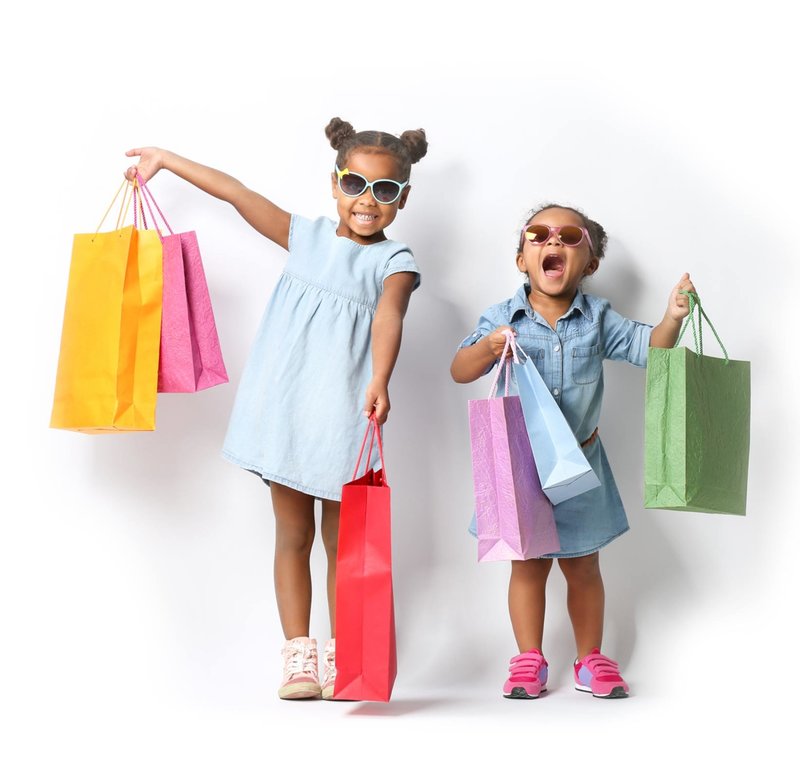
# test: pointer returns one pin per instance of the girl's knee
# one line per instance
(532, 568)
(581, 568)
(294, 519)
(296, 536)
(294, 542)
(330, 539)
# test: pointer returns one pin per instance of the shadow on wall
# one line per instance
(164, 468)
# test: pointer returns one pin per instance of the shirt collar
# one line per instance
(520, 303)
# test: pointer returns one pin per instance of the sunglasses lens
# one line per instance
(352, 184)
(537, 234)
(570, 235)
(386, 191)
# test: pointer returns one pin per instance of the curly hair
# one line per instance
(596, 232)
(409, 148)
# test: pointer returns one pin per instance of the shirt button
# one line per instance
(556, 348)
(556, 391)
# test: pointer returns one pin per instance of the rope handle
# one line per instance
(505, 363)
(138, 206)
(374, 430)
(148, 197)
(697, 328)
(124, 205)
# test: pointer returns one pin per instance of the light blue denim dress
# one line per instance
(298, 417)
(570, 360)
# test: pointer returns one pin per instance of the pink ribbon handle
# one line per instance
(505, 363)
(374, 430)
(137, 205)
(148, 197)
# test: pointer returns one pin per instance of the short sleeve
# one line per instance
(299, 229)
(400, 261)
(624, 339)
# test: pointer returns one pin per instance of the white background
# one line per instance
(139, 623)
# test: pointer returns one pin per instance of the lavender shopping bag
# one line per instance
(190, 357)
(514, 518)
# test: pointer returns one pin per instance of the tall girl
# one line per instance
(322, 358)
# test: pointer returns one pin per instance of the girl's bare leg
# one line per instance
(294, 536)
(526, 601)
(330, 539)
(585, 600)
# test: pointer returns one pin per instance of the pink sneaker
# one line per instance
(528, 676)
(300, 678)
(329, 669)
(599, 675)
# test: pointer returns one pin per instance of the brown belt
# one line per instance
(591, 440)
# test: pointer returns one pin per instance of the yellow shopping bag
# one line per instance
(108, 365)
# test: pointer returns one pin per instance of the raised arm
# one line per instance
(264, 216)
(666, 332)
(387, 331)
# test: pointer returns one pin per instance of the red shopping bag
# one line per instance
(366, 652)
(191, 358)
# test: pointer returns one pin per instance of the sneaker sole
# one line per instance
(519, 693)
(617, 693)
(299, 691)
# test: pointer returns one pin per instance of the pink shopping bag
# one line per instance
(191, 357)
(514, 518)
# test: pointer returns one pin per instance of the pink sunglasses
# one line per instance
(569, 235)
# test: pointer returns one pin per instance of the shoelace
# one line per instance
(603, 668)
(329, 663)
(300, 658)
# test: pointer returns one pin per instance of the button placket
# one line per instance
(558, 366)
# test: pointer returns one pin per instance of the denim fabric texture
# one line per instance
(298, 416)
(570, 361)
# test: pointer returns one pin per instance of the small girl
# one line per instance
(329, 338)
(567, 333)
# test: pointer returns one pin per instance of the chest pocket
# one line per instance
(587, 365)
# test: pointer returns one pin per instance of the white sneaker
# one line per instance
(300, 675)
(329, 669)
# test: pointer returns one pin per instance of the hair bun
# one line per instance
(415, 143)
(338, 131)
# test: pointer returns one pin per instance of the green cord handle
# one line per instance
(697, 329)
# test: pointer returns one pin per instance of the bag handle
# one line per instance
(138, 207)
(697, 329)
(148, 197)
(374, 429)
(506, 362)
(123, 209)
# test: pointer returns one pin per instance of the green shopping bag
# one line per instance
(697, 426)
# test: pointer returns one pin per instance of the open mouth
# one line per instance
(365, 217)
(553, 266)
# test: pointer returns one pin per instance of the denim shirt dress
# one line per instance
(298, 416)
(570, 361)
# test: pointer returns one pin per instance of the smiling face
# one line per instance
(362, 218)
(554, 269)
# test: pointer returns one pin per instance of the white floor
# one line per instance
(122, 714)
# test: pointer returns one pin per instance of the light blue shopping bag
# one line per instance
(564, 471)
